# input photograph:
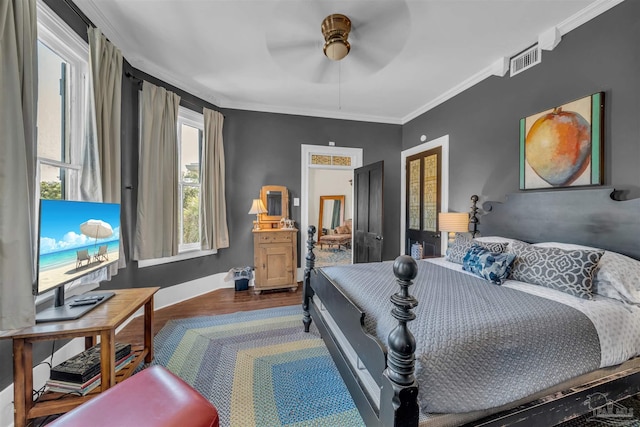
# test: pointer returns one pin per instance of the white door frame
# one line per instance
(443, 142)
(307, 150)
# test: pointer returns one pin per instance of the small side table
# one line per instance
(101, 321)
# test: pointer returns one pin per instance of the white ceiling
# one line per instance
(407, 56)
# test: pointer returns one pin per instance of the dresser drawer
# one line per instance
(274, 237)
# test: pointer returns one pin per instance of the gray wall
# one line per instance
(601, 55)
(264, 149)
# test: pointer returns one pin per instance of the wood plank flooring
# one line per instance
(221, 301)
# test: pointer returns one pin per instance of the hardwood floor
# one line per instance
(221, 301)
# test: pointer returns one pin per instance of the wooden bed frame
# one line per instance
(589, 217)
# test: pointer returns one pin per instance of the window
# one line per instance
(62, 70)
(190, 135)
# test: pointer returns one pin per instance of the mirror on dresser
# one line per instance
(275, 243)
(276, 201)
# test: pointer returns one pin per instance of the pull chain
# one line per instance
(339, 85)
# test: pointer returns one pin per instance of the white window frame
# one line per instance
(196, 120)
(60, 38)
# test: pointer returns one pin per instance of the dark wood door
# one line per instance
(424, 171)
(368, 217)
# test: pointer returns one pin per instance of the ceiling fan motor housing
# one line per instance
(335, 29)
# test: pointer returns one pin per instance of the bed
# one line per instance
(518, 367)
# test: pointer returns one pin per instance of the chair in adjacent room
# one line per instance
(341, 236)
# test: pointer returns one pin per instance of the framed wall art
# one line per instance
(562, 146)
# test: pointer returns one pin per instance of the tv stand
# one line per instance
(68, 312)
(100, 322)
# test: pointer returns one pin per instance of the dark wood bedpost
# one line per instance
(473, 216)
(401, 395)
(307, 292)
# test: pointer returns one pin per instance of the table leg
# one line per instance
(107, 359)
(89, 342)
(22, 380)
(148, 329)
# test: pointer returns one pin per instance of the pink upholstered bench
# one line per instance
(152, 398)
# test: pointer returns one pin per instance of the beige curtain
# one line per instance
(18, 111)
(106, 73)
(105, 62)
(157, 217)
(213, 208)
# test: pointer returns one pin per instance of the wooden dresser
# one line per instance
(275, 259)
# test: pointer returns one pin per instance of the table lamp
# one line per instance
(453, 222)
(257, 208)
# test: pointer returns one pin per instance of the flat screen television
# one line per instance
(74, 240)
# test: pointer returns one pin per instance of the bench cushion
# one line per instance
(154, 397)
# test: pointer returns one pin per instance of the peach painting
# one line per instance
(562, 146)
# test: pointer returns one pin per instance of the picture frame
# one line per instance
(563, 146)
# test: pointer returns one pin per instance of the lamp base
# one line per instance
(256, 225)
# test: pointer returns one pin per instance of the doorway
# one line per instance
(321, 165)
(443, 143)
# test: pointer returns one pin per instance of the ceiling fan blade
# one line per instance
(325, 71)
(381, 31)
(278, 47)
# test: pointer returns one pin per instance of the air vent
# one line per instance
(525, 60)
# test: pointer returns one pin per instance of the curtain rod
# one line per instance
(78, 12)
(138, 82)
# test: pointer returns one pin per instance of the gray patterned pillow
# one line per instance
(462, 244)
(569, 271)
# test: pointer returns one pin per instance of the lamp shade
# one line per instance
(453, 222)
(257, 207)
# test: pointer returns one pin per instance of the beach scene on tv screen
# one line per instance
(76, 238)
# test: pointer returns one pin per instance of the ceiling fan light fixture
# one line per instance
(335, 29)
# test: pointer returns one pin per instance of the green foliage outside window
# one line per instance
(190, 209)
(51, 190)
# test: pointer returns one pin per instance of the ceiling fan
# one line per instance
(331, 41)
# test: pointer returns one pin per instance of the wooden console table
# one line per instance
(102, 321)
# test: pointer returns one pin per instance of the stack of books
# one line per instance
(81, 373)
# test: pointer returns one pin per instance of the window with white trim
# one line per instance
(190, 136)
(62, 86)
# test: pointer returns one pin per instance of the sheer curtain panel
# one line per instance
(18, 110)
(213, 209)
(157, 216)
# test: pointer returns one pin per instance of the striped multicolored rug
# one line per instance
(258, 368)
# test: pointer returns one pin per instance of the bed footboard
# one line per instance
(392, 370)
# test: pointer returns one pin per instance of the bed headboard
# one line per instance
(587, 217)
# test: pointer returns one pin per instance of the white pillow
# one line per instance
(495, 239)
(566, 246)
(618, 274)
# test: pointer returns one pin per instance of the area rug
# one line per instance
(332, 256)
(258, 368)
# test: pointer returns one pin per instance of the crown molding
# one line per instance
(583, 16)
(326, 114)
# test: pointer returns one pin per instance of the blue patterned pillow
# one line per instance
(491, 266)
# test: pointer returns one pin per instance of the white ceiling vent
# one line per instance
(525, 60)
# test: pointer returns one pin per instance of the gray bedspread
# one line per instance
(478, 345)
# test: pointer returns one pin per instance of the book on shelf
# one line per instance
(84, 388)
(86, 365)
